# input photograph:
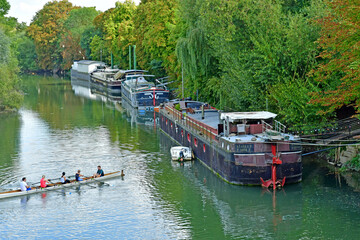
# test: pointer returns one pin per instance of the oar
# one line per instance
(96, 179)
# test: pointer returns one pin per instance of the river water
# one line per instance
(66, 126)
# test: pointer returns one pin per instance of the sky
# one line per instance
(25, 10)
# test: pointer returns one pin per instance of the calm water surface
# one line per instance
(66, 126)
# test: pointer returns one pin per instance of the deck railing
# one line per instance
(186, 120)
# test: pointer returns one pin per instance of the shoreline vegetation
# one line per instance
(299, 59)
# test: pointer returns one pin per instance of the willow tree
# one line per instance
(248, 55)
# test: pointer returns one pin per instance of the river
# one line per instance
(65, 126)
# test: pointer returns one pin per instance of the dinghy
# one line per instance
(187, 154)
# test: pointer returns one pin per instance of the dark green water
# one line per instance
(64, 127)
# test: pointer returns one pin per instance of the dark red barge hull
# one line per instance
(236, 163)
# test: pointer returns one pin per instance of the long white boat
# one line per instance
(58, 185)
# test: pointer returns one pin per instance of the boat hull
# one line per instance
(145, 100)
(112, 86)
(58, 186)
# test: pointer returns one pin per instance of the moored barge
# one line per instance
(240, 147)
(140, 91)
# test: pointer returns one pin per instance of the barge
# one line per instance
(107, 79)
(140, 92)
(242, 148)
(83, 68)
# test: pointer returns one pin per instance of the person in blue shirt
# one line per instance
(78, 176)
(99, 173)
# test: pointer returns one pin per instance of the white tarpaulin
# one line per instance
(233, 116)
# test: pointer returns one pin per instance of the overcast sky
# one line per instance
(24, 10)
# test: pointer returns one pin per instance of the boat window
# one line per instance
(171, 125)
(188, 137)
(166, 121)
(182, 133)
(195, 142)
(204, 148)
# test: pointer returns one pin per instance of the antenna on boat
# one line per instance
(134, 57)
(182, 80)
(134, 52)
(129, 57)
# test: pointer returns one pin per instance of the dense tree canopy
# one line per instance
(45, 30)
(76, 25)
(298, 58)
(10, 29)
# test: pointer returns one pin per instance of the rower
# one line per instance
(78, 176)
(63, 179)
(23, 185)
(99, 173)
(43, 182)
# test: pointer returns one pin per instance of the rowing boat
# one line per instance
(58, 185)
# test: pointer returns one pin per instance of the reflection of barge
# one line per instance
(236, 146)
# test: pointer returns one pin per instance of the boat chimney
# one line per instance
(202, 112)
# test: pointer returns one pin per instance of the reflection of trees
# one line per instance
(55, 102)
(9, 140)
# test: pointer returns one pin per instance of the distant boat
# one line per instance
(82, 69)
(106, 78)
(186, 155)
(58, 186)
(140, 92)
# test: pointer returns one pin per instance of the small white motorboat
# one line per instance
(181, 153)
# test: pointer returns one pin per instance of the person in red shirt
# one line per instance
(43, 182)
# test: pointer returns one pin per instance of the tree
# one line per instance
(78, 22)
(10, 96)
(116, 27)
(45, 30)
(26, 56)
(339, 73)
(154, 23)
(4, 7)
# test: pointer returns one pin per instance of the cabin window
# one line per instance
(188, 137)
(182, 133)
(171, 125)
(204, 148)
(195, 142)
(166, 121)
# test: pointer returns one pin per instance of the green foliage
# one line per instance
(27, 56)
(4, 48)
(353, 164)
(10, 96)
(4, 7)
(79, 21)
(154, 23)
(116, 27)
